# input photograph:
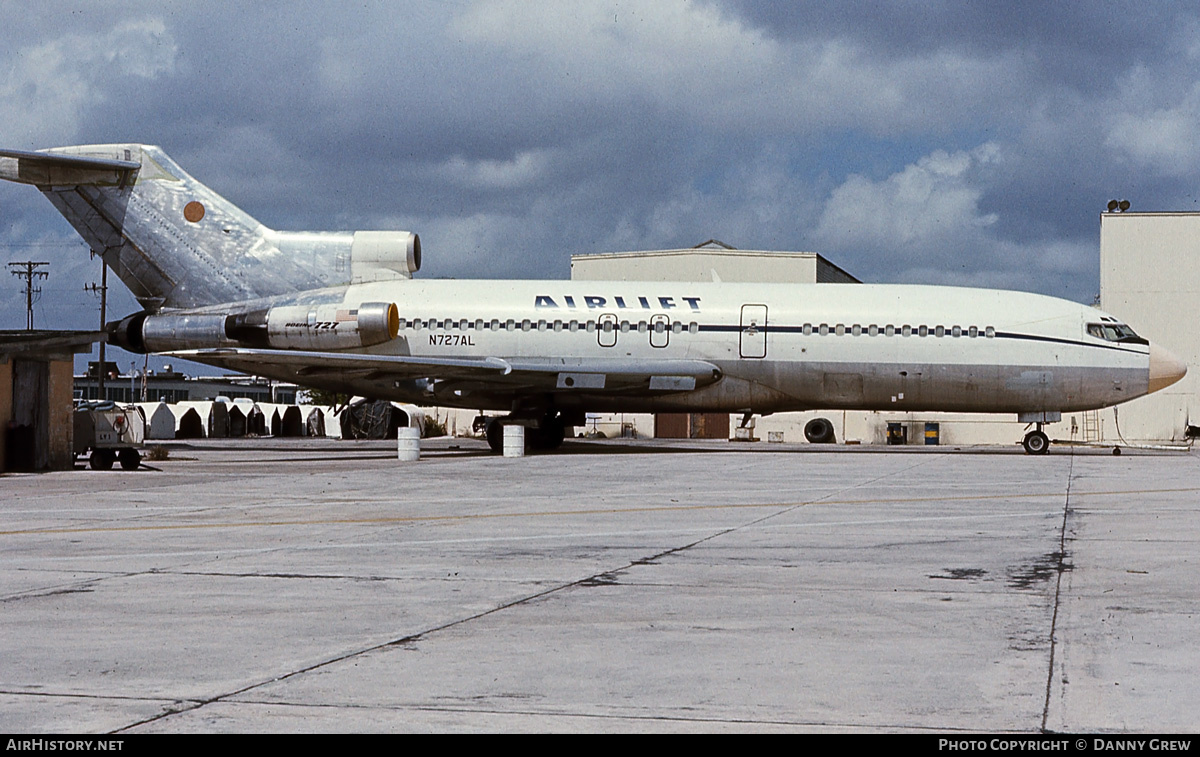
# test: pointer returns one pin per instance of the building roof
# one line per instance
(46, 345)
(716, 249)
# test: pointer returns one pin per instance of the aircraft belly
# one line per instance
(952, 388)
(765, 386)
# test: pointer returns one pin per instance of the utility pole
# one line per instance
(30, 273)
(103, 291)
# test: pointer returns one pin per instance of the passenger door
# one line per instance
(753, 335)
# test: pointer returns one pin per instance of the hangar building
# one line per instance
(1150, 277)
(711, 258)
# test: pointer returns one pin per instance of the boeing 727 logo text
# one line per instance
(316, 325)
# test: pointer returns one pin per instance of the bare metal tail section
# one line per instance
(177, 244)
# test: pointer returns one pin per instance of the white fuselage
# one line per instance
(779, 346)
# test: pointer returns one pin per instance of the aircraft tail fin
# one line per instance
(178, 244)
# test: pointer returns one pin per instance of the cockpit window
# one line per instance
(1115, 332)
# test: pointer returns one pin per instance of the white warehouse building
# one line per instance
(1150, 277)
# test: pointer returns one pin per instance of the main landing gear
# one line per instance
(542, 434)
(1036, 442)
(104, 457)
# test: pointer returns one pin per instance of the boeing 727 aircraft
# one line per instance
(340, 311)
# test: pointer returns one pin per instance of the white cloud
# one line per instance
(694, 60)
(523, 169)
(480, 245)
(48, 85)
(1162, 139)
(924, 224)
(930, 202)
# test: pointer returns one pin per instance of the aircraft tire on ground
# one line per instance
(101, 459)
(549, 435)
(1036, 443)
(129, 458)
(819, 431)
(495, 436)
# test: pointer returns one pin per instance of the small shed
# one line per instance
(36, 393)
(213, 416)
(160, 421)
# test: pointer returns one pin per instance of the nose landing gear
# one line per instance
(1036, 442)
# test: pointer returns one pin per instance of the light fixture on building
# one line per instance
(1118, 206)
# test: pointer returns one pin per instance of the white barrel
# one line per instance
(408, 444)
(514, 441)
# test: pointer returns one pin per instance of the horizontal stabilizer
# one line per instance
(49, 169)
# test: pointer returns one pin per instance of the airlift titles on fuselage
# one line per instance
(595, 302)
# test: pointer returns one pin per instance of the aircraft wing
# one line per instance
(588, 375)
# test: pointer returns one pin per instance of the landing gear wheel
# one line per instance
(495, 436)
(130, 459)
(1036, 443)
(819, 431)
(102, 459)
(549, 435)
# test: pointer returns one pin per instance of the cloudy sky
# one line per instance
(937, 142)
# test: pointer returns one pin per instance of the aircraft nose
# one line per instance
(1165, 368)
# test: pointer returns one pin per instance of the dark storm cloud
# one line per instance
(1085, 46)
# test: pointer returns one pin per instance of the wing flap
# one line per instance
(581, 375)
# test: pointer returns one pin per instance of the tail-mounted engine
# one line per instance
(287, 327)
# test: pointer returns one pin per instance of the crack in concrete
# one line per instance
(1061, 568)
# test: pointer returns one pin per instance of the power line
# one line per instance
(30, 273)
(102, 290)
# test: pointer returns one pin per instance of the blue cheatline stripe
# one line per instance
(774, 329)
(999, 335)
(1037, 338)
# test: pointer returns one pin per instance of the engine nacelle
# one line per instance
(331, 327)
(287, 327)
(384, 255)
(142, 332)
(127, 332)
(354, 257)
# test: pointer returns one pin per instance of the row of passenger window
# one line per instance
(479, 324)
(678, 327)
(842, 329)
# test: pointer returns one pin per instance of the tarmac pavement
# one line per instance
(322, 586)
